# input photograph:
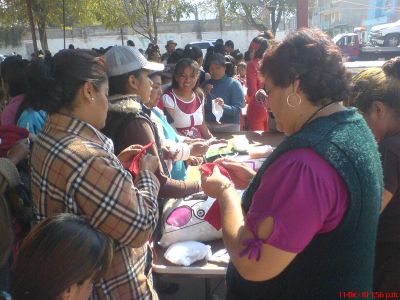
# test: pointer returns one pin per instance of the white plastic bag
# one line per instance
(240, 143)
(217, 110)
(186, 253)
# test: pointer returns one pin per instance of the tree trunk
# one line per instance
(155, 7)
(221, 14)
(275, 19)
(32, 25)
(42, 34)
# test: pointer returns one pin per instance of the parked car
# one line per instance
(387, 35)
(203, 45)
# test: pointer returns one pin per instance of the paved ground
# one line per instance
(194, 288)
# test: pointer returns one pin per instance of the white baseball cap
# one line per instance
(124, 59)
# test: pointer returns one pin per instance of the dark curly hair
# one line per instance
(377, 84)
(312, 57)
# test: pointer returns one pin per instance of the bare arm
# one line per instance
(272, 260)
(139, 132)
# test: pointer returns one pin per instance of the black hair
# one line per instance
(42, 257)
(119, 84)
(13, 72)
(216, 58)
(230, 44)
(219, 48)
(219, 41)
(247, 56)
(39, 73)
(230, 65)
(263, 42)
(237, 55)
(210, 51)
(180, 67)
(192, 52)
(158, 73)
(130, 43)
(67, 72)
(175, 56)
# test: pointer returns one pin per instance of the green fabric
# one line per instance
(341, 260)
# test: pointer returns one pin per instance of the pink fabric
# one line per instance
(304, 195)
(213, 216)
(253, 80)
(10, 111)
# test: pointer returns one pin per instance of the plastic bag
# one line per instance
(217, 110)
(186, 253)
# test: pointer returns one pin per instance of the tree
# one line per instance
(141, 16)
(45, 13)
(255, 12)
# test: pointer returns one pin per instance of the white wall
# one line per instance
(241, 38)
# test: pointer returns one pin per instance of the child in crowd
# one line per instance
(184, 101)
(241, 75)
(60, 259)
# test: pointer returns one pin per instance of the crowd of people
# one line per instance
(93, 143)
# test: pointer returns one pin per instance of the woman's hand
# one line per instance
(18, 151)
(168, 154)
(126, 155)
(199, 148)
(241, 174)
(148, 162)
(194, 161)
(214, 184)
(219, 101)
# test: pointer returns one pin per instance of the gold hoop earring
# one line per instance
(290, 104)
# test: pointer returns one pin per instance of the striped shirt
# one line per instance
(74, 170)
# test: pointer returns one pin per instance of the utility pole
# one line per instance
(63, 8)
(302, 13)
(32, 24)
(122, 35)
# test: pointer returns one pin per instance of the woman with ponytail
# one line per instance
(376, 93)
(74, 170)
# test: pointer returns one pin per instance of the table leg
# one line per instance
(207, 289)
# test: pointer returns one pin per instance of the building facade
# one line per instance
(381, 12)
(337, 16)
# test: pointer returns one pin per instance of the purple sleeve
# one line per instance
(303, 194)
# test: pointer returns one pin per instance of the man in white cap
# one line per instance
(128, 123)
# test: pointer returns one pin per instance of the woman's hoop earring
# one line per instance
(290, 104)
